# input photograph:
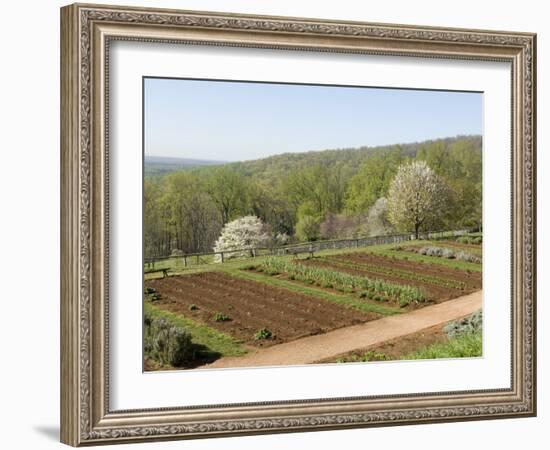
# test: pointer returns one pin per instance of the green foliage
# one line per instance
(227, 188)
(373, 179)
(459, 163)
(209, 342)
(365, 357)
(345, 282)
(166, 343)
(263, 334)
(307, 228)
(469, 345)
(151, 294)
(221, 317)
(294, 193)
(318, 189)
(469, 239)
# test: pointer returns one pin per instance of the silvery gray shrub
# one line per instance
(470, 324)
(444, 252)
(166, 343)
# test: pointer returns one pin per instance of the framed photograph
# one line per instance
(276, 224)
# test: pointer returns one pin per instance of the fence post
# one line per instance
(222, 256)
(184, 261)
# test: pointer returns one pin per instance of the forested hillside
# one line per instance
(304, 196)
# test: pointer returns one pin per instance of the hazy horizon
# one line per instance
(306, 151)
(227, 121)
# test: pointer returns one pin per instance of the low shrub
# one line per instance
(221, 317)
(369, 356)
(167, 343)
(155, 296)
(262, 334)
(470, 324)
(469, 257)
(469, 239)
(149, 290)
(193, 307)
(443, 252)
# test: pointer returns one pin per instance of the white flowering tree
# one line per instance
(245, 233)
(417, 198)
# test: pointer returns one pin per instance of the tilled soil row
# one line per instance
(251, 306)
(472, 279)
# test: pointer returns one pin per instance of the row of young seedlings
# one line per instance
(375, 289)
(405, 274)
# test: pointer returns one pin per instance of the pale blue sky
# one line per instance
(235, 121)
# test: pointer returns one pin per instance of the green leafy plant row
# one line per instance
(343, 282)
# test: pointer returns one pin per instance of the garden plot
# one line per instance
(434, 289)
(375, 277)
(256, 314)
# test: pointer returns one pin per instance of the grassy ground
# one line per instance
(466, 346)
(344, 300)
(214, 343)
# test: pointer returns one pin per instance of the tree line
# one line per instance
(308, 196)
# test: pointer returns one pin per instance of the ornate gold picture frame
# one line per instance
(87, 32)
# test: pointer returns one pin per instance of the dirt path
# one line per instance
(344, 340)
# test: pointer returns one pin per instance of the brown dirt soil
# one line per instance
(396, 348)
(472, 279)
(252, 306)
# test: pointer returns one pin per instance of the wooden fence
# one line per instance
(304, 247)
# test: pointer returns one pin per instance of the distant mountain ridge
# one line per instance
(160, 165)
